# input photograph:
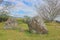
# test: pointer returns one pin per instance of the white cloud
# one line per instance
(21, 6)
(11, 0)
(1, 7)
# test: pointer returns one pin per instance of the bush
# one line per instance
(3, 17)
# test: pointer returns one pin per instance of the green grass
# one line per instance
(53, 33)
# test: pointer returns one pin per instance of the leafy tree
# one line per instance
(26, 19)
(5, 11)
(3, 16)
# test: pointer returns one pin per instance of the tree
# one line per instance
(26, 19)
(3, 16)
(49, 10)
(5, 11)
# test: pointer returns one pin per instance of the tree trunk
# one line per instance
(37, 25)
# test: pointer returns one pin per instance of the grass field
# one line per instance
(53, 33)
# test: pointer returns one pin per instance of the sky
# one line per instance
(23, 7)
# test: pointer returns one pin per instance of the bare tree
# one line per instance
(49, 10)
(7, 6)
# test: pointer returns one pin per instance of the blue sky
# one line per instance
(24, 7)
